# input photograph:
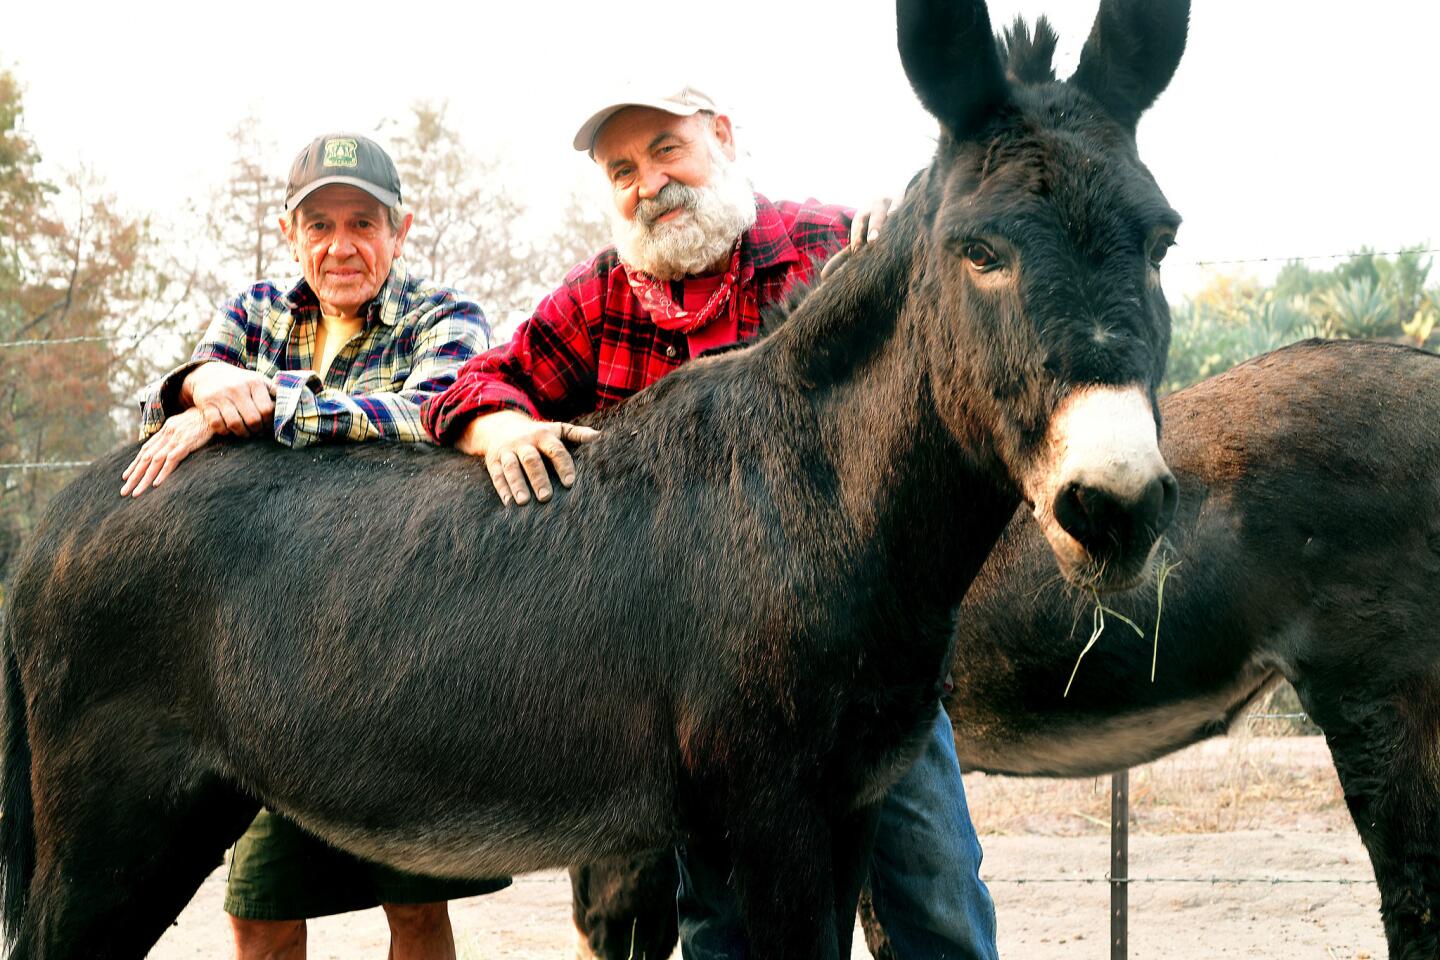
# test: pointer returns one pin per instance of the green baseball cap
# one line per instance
(343, 158)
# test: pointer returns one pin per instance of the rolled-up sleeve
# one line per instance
(225, 340)
(547, 368)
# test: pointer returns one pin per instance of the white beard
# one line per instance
(700, 236)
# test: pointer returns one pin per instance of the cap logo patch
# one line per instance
(340, 152)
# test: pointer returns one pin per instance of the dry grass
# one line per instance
(1240, 782)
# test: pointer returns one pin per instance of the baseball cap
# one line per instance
(685, 102)
(343, 158)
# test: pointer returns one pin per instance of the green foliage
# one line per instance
(1365, 296)
(1359, 309)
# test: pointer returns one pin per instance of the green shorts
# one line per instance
(280, 872)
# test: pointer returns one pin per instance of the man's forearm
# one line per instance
(186, 394)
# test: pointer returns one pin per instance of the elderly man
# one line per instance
(347, 353)
(697, 256)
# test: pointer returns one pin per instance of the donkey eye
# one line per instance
(981, 255)
(1159, 247)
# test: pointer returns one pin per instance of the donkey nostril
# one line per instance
(1071, 513)
(1110, 525)
(1170, 502)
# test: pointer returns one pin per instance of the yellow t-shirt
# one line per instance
(331, 335)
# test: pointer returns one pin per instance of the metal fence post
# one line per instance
(1119, 862)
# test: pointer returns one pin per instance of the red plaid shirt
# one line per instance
(591, 344)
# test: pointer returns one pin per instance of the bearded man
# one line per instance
(697, 256)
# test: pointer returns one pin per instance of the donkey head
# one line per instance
(1042, 266)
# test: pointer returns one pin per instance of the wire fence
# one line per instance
(96, 338)
(1212, 880)
(1027, 881)
(47, 465)
(1317, 256)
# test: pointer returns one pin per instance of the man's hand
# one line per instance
(865, 227)
(868, 223)
(181, 436)
(232, 399)
(515, 448)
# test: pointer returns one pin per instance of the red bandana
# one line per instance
(669, 315)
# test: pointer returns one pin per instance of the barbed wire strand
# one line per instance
(1090, 881)
(97, 338)
(1023, 881)
(1211, 880)
(47, 465)
(1214, 880)
(1317, 256)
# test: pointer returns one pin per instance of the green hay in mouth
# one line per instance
(1163, 570)
(1099, 627)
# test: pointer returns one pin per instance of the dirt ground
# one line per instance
(1239, 809)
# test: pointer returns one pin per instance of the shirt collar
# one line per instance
(767, 242)
(389, 305)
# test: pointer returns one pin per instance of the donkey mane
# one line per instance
(1028, 58)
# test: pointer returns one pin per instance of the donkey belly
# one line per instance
(503, 795)
(510, 836)
(1066, 744)
(501, 754)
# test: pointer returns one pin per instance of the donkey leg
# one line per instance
(785, 882)
(625, 909)
(716, 934)
(1382, 733)
(853, 840)
(124, 837)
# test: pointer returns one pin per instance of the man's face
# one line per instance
(641, 150)
(342, 238)
(681, 200)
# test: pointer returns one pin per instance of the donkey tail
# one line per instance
(17, 824)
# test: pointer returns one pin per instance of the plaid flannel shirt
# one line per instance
(591, 343)
(416, 336)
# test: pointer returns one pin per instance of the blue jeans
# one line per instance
(924, 874)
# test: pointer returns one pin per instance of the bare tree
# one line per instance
(472, 230)
(84, 289)
(245, 210)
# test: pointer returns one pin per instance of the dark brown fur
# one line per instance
(1309, 548)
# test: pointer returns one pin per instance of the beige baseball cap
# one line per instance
(685, 102)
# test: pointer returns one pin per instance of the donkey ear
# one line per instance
(949, 54)
(1131, 54)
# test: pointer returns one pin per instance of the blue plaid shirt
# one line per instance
(416, 336)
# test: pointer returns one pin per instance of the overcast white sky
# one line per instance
(1291, 128)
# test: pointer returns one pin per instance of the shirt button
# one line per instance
(670, 351)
